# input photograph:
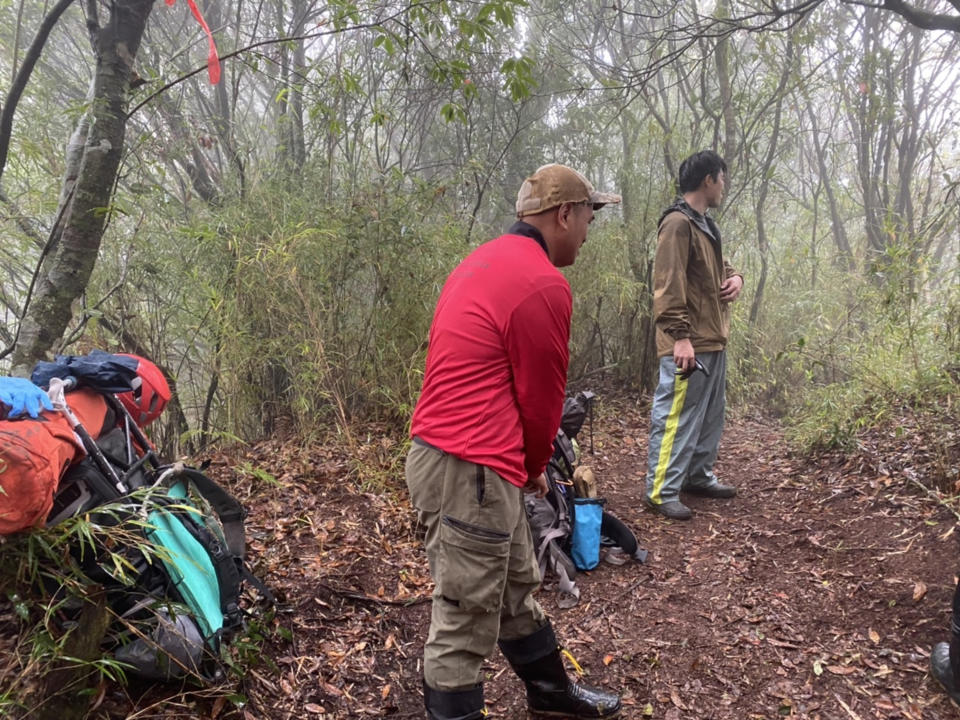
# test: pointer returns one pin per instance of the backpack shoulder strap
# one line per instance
(231, 568)
(228, 509)
(226, 568)
(258, 584)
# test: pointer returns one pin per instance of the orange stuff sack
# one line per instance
(34, 454)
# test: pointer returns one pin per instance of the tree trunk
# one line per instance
(726, 90)
(763, 244)
(845, 253)
(640, 255)
(291, 149)
(60, 693)
(67, 269)
(185, 142)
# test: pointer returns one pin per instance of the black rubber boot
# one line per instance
(466, 704)
(942, 670)
(550, 693)
(945, 657)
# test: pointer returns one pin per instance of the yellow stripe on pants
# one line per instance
(669, 435)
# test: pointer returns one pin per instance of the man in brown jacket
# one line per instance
(692, 292)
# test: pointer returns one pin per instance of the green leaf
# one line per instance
(453, 112)
(385, 42)
(518, 80)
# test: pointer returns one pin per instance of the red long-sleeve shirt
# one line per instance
(497, 359)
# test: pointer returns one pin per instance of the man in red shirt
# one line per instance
(483, 432)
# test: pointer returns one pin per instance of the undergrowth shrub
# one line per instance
(58, 625)
(852, 355)
(51, 624)
(321, 311)
(611, 307)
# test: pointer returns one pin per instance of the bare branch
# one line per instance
(51, 241)
(21, 220)
(263, 43)
(922, 18)
(23, 77)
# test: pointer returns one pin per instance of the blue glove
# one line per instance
(22, 396)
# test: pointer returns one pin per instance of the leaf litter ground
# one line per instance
(816, 593)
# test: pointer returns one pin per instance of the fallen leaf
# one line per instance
(841, 669)
(874, 636)
(817, 668)
(314, 708)
(607, 659)
(331, 689)
(919, 590)
(385, 692)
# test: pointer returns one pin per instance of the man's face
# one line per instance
(715, 189)
(581, 215)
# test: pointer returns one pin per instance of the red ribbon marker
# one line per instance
(213, 60)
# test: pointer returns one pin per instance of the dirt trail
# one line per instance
(816, 593)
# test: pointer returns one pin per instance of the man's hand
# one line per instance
(537, 486)
(730, 290)
(683, 354)
(20, 396)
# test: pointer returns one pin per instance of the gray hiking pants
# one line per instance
(686, 422)
(481, 558)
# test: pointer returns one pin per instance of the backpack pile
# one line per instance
(569, 524)
(166, 542)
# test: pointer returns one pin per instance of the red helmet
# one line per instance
(150, 393)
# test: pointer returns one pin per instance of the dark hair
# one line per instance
(695, 169)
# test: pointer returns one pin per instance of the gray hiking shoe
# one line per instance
(673, 509)
(717, 490)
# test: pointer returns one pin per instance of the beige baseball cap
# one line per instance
(553, 185)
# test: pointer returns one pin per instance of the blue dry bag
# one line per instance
(585, 540)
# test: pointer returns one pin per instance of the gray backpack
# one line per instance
(551, 517)
(551, 525)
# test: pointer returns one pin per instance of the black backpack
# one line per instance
(169, 549)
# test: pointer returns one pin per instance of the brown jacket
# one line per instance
(687, 273)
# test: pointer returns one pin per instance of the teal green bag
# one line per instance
(187, 562)
(193, 583)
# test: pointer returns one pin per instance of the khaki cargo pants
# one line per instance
(481, 558)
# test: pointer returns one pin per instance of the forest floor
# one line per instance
(816, 593)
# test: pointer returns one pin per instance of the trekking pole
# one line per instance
(591, 427)
(57, 392)
(588, 399)
(146, 453)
